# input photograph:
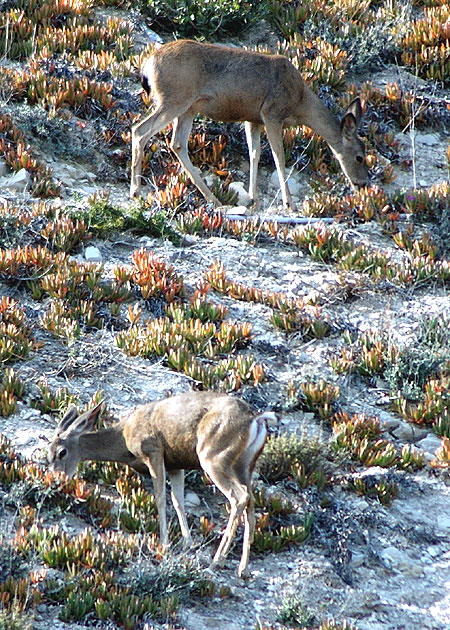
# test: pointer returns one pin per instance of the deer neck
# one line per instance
(105, 445)
(316, 115)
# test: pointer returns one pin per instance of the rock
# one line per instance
(398, 560)
(191, 500)
(92, 254)
(408, 432)
(428, 139)
(151, 35)
(3, 168)
(292, 182)
(244, 198)
(429, 445)
(443, 524)
(358, 559)
(68, 174)
(237, 211)
(87, 190)
(388, 421)
(20, 181)
(294, 187)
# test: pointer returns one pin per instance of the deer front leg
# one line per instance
(177, 485)
(156, 468)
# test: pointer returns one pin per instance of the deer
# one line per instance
(228, 84)
(217, 433)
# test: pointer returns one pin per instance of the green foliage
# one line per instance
(272, 536)
(370, 35)
(294, 614)
(15, 619)
(173, 576)
(412, 369)
(207, 19)
(382, 489)
(52, 401)
(104, 217)
(331, 624)
(320, 397)
(369, 354)
(425, 357)
(11, 563)
(289, 455)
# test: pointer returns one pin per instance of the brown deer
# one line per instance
(220, 434)
(230, 84)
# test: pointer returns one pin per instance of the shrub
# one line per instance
(201, 18)
(284, 454)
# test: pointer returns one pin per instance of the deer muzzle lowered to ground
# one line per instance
(217, 433)
(187, 78)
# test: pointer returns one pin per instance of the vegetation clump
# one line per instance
(201, 18)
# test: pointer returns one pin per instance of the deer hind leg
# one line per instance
(249, 533)
(141, 134)
(240, 497)
(182, 126)
(177, 484)
(253, 135)
(275, 136)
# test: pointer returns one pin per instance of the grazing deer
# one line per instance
(220, 434)
(229, 84)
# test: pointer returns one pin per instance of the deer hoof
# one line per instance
(135, 192)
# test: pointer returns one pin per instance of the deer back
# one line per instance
(184, 425)
(220, 82)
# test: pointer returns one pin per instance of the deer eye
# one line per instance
(62, 453)
(360, 159)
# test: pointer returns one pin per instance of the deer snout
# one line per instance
(359, 179)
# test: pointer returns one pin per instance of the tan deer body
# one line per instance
(230, 84)
(220, 434)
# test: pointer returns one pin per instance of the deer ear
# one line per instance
(352, 117)
(79, 424)
(68, 418)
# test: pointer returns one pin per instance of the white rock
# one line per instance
(244, 198)
(430, 444)
(294, 186)
(443, 523)
(358, 559)
(388, 421)
(398, 560)
(92, 254)
(87, 190)
(68, 174)
(151, 35)
(429, 139)
(434, 550)
(237, 210)
(209, 179)
(191, 499)
(20, 181)
(3, 168)
(292, 182)
(408, 432)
